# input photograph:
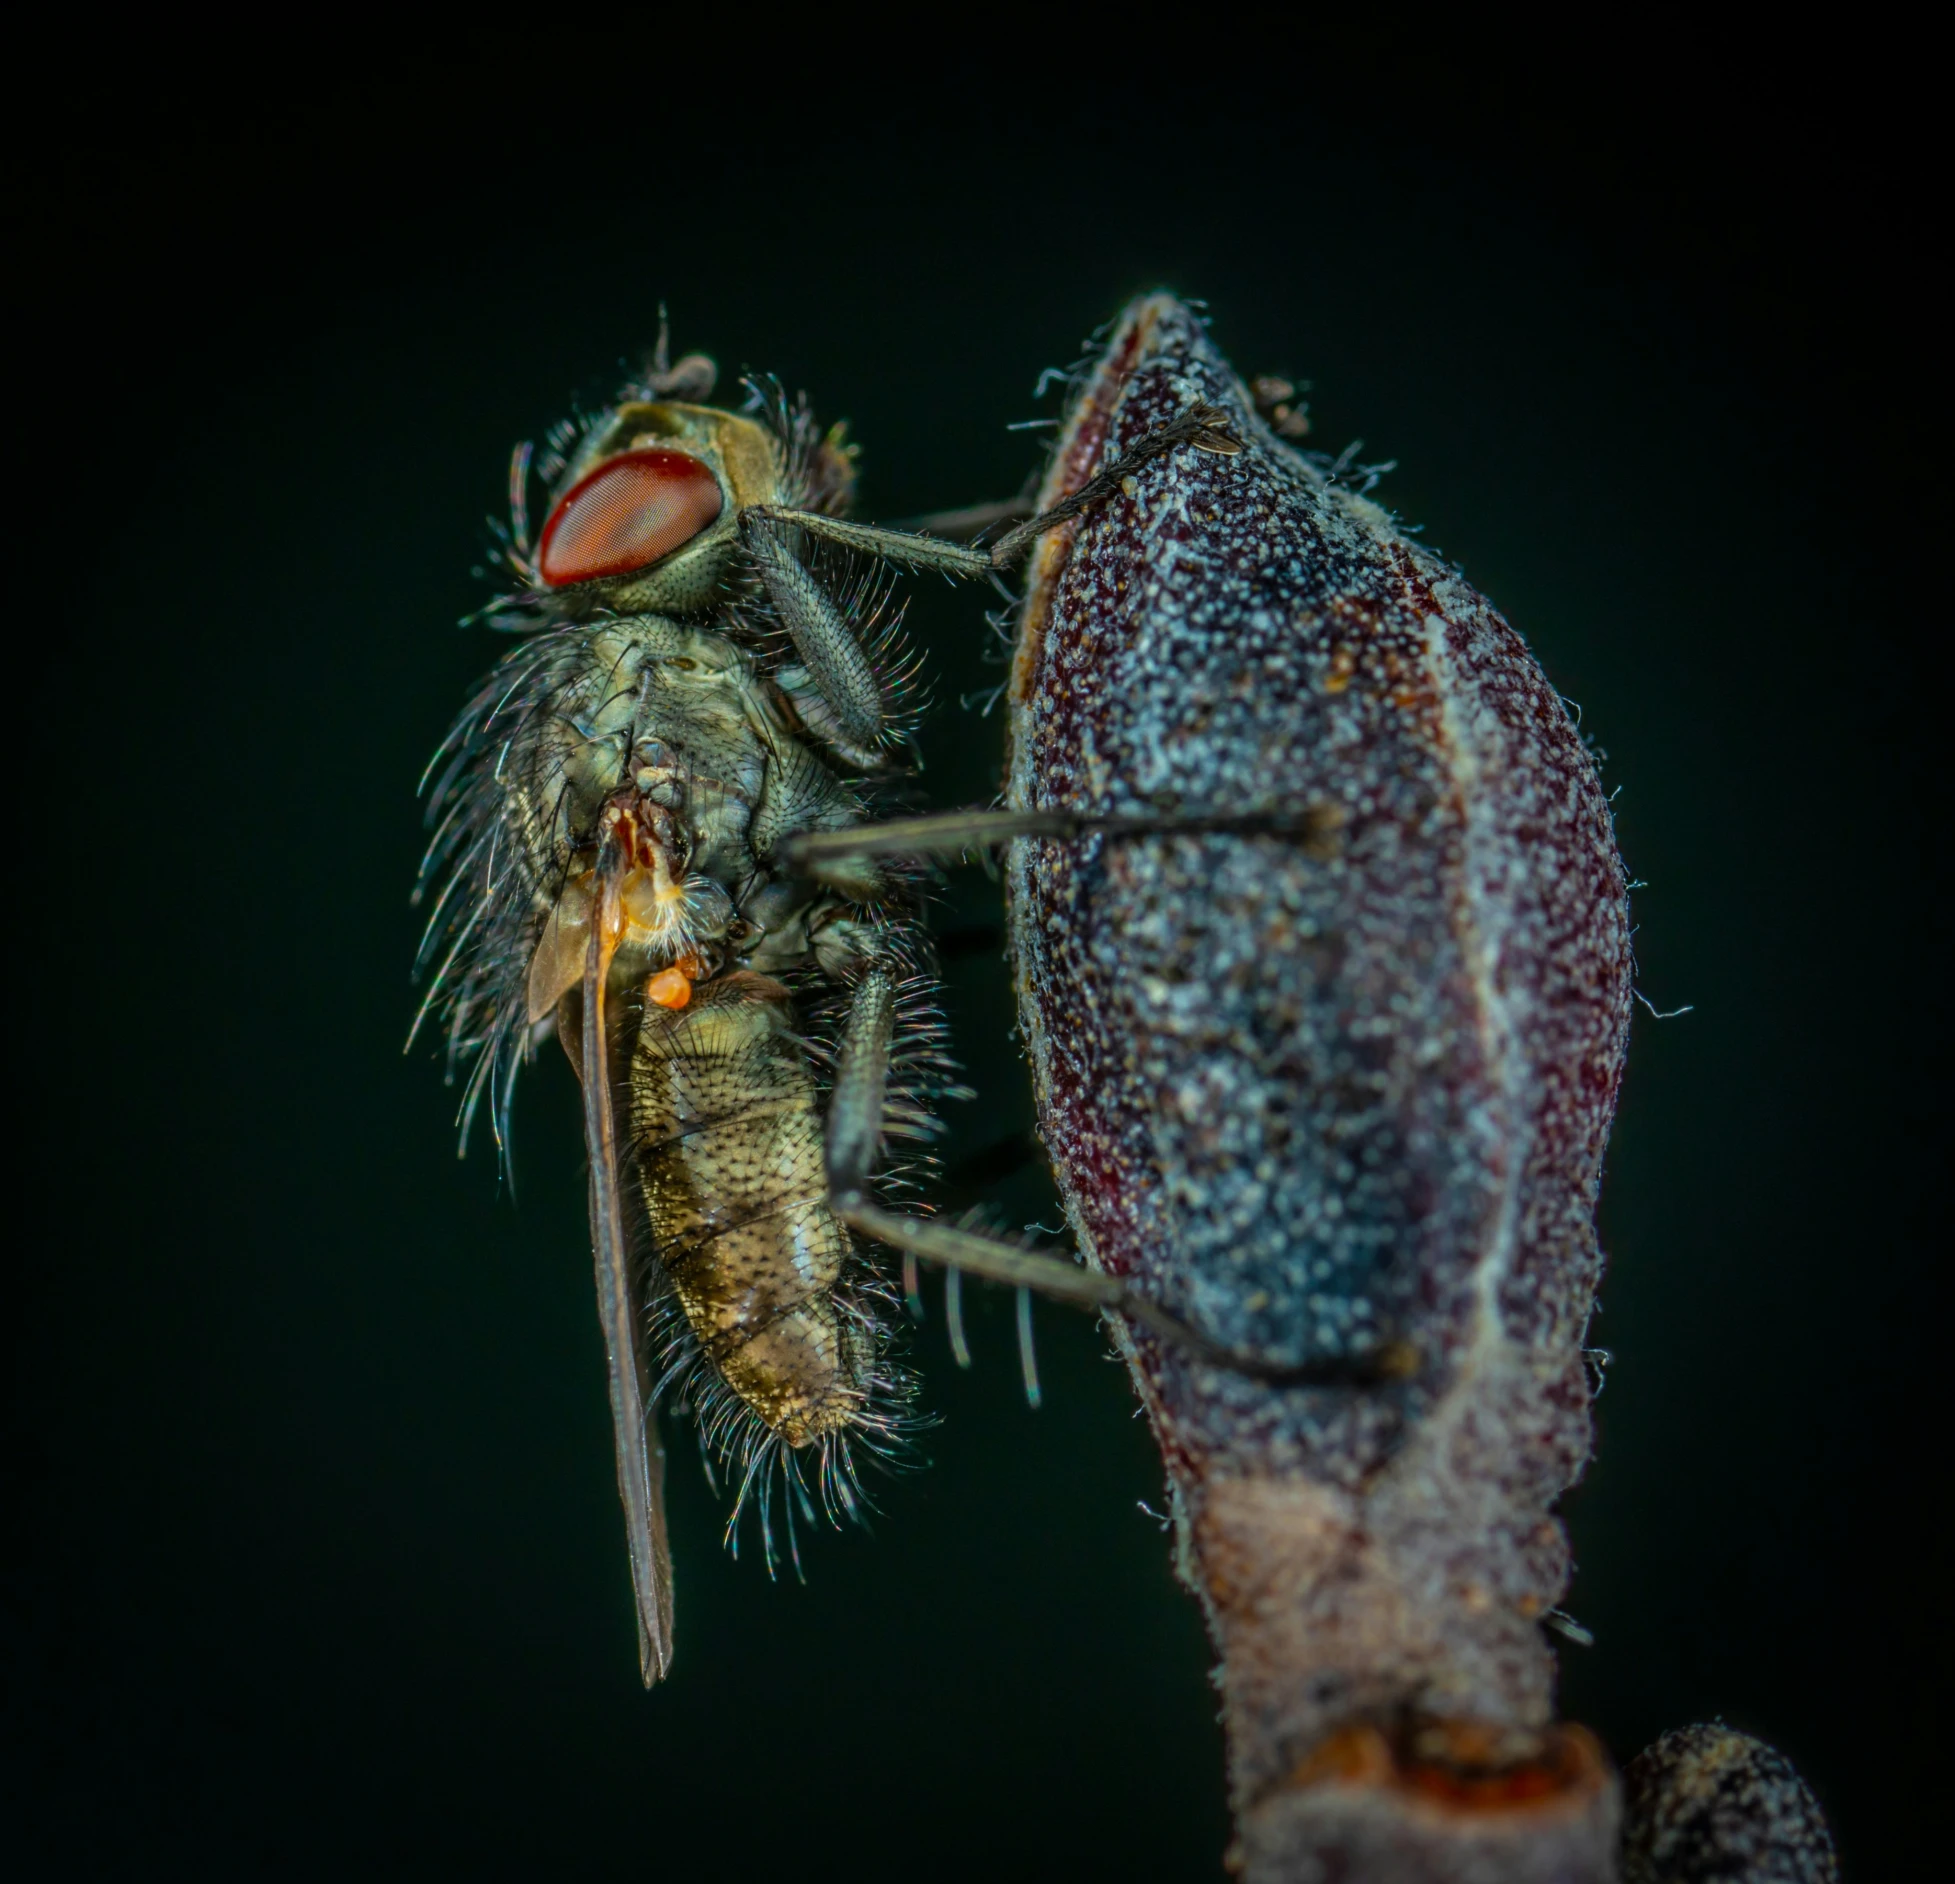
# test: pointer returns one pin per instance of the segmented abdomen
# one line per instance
(728, 1136)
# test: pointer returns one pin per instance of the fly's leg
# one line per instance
(1204, 427)
(853, 1140)
(1061, 1281)
(951, 833)
(835, 658)
(828, 647)
(759, 521)
(853, 1145)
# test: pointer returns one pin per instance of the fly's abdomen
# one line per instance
(728, 1133)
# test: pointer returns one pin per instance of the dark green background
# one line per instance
(316, 1561)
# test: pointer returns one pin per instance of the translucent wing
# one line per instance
(641, 1458)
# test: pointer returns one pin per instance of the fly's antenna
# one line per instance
(690, 379)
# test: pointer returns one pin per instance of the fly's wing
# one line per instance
(641, 1458)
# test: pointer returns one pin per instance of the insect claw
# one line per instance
(1208, 430)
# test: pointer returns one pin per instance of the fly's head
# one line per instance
(646, 513)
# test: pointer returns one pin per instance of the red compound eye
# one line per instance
(629, 512)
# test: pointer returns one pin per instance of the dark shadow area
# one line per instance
(316, 1563)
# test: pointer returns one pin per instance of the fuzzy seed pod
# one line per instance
(1707, 1805)
(1338, 1100)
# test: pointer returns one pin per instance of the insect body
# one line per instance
(647, 839)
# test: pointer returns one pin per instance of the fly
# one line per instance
(653, 837)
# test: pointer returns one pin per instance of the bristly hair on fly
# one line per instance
(824, 1481)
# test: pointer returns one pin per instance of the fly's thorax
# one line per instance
(675, 729)
(726, 1127)
(649, 704)
(682, 473)
(802, 794)
(801, 923)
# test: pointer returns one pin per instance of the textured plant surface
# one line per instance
(1342, 1099)
(1706, 1805)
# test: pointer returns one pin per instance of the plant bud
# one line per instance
(1338, 1100)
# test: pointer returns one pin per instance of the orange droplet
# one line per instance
(669, 988)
